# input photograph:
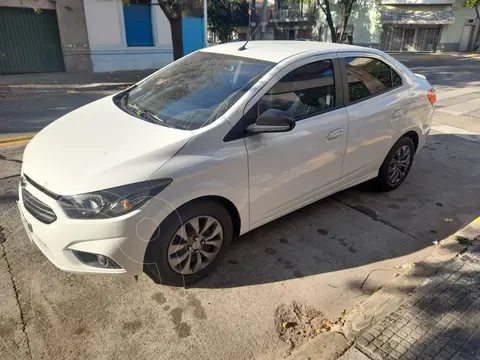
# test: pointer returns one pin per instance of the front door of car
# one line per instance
(290, 169)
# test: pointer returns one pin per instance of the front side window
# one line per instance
(367, 77)
(305, 91)
(194, 91)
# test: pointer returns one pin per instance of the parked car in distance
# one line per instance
(160, 177)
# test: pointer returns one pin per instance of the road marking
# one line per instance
(461, 133)
(462, 107)
(16, 138)
(15, 143)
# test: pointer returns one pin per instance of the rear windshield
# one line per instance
(194, 91)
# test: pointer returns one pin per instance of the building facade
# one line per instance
(127, 37)
(390, 25)
(411, 25)
(90, 35)
(43, 36)
(136, 36)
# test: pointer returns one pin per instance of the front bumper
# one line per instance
(123, 239)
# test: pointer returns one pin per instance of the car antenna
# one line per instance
(254, 31)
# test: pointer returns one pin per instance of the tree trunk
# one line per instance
(343, 25)
(177, 37)
(328, 15)
(346, 15)
(333, 31)
(477, 11)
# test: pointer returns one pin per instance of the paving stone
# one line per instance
(388, 333)
(371, 347)
(383, 338)
(362, 342)
(369, 337)
(393, 344)
(396, 338)
(383, 354)
(425, 357)
(446, 355)
(377, 343)
(440, 320)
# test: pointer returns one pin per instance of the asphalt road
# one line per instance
(328, 256)
(454, 71)
(27, 114)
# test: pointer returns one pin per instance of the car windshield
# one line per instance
(195, 91)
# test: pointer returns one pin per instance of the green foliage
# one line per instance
(462, 240)
(224, 15)
(472, 3)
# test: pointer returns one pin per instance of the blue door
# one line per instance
(193, 34)
(138, 24)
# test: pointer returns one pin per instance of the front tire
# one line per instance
(397, 165)
(189, 244)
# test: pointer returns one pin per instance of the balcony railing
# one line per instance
(290, 15)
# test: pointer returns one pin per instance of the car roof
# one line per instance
(278, 50)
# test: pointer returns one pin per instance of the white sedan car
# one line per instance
(161, 176)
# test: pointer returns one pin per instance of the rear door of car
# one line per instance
(377, 101)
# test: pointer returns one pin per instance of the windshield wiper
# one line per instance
(124, 98)
(147, 115)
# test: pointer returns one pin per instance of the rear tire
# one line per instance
(176, 239)
(396, 166)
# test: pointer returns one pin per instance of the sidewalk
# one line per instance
(440, 319)
(431, 312)
(437, 55)
(65, 82)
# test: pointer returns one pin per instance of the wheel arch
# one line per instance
(413, 135)
(230, 206)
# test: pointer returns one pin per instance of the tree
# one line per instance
(473, 4)
(224, 15)
(345, 7)
(174, 10)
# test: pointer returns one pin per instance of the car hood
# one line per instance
(99, 146)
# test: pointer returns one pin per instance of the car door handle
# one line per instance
(397, 114)
(335, 134)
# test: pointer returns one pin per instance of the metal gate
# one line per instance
(29, 41)
(402, 38)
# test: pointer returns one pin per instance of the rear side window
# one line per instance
(307, 90)
(367, 77)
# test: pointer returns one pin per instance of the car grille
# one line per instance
(38, 209)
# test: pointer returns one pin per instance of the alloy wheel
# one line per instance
(195, 245)
(398, 168)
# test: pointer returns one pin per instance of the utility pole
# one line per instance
(205, 20)
(264, 19)
(249, 18)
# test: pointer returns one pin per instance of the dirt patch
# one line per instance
(297, 323)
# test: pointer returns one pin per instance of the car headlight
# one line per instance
(111, 202)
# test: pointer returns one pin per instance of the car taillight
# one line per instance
(432, 97)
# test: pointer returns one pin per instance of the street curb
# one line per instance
(386, 300)
(332, 345)
(60, 89)
(327, 346)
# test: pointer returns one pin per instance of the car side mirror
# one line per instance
(272, 120)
